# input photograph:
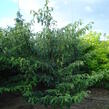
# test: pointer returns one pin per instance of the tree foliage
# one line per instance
(55, 66)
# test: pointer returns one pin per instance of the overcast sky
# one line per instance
(65, 11)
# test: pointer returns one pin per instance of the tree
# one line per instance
(52, 67)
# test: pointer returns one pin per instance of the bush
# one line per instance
(52, 67)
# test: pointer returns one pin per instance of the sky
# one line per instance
(65, 12)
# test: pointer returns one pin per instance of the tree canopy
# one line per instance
(55, 66)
